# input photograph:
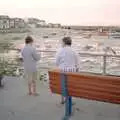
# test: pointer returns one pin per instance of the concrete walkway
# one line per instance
(16, 105)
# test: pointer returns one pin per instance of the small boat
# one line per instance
(105, 33)
(88, 36)
(45, 36)
(53, 34)
(115, 35)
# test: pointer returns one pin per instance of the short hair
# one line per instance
(28, 39)
(67, 41)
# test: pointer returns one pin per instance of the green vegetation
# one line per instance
(6, 68)
(5, 47)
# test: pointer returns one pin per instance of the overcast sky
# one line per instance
(74, 12)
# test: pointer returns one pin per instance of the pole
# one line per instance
(104, 64)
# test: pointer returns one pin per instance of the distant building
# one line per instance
(7, 23)
(19, 23)
(42, 23)
(51, 25)
(12, 23)
(4, 22)
(33, 21)
(57, 25)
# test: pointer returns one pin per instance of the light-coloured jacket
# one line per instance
(67, 59)
(30, 58)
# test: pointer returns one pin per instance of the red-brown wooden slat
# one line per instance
(86, 94)
(91, 95)
(71, 90)
(87, 83)
(94, 88)
(89, 86)
(101, 80)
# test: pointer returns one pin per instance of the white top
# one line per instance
(67, 60)
(30, 58)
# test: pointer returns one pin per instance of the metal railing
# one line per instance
(104, 58)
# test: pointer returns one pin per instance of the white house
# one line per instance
(57, 25)
(4, 22)
(42, 22)
(51, 25)
(12, 23)
(33, 20)
(19, 23)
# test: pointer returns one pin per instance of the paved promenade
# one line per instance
(16, 105)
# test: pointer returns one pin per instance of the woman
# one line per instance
(30, 58)
(66, 58)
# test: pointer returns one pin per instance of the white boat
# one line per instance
(115, 35)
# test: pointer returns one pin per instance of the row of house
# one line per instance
(6, 22)
(41, 23)
(53, 25)
(36, 22)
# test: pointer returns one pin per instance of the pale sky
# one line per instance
(70, 12)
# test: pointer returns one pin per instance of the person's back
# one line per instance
(30, 57)
(67, 59)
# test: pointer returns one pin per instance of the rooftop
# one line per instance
(4, 17)
(16, 105)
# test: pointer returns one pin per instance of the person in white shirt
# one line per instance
(30, 58)
(66, 58)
